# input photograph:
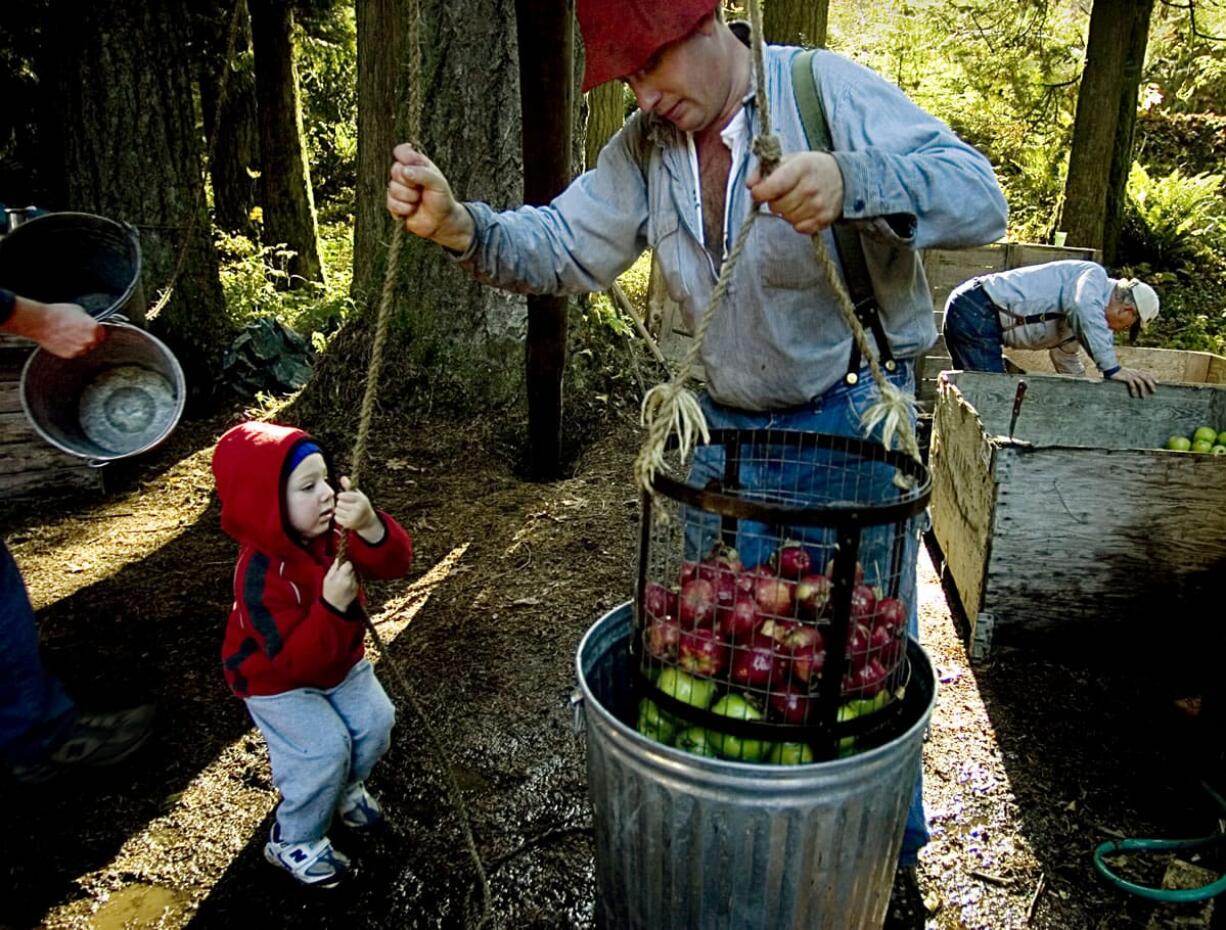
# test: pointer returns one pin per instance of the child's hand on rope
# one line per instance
(340, 585)
(354, 512)
(418, 194)
(806, 190)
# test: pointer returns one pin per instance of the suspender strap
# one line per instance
(846, 238)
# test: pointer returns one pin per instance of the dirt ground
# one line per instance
(1032, 760)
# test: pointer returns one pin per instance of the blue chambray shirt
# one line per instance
(1077, 293)
(778, 340)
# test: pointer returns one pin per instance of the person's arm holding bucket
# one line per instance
(62, 329)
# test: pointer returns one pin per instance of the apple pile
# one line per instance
(1205, 439)
(756, 636)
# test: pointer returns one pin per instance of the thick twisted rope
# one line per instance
(672, 408)
(358, 465)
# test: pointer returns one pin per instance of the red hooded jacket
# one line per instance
(281, 634)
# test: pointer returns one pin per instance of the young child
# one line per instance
(293, 648)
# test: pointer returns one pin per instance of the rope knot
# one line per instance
(769, 151)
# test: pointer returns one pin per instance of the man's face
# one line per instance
(681, 81)
(1121, 314)
(309, 498)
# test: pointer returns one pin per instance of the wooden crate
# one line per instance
(1083, 516)
(29, 465)
(1167, 365)
(944, 269)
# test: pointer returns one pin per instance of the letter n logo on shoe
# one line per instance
(298, 855)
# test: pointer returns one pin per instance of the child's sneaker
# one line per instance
(358, 810)
(315, 864)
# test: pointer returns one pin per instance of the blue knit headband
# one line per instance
(300, 452)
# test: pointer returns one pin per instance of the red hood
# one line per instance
(248, 465)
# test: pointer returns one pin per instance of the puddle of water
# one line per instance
(138, 907)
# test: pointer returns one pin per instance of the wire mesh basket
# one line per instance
(774, 588)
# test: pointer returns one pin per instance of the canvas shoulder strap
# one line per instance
(846, 237)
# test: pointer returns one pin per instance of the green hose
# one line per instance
(1166, 895)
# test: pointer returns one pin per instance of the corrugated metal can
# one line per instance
(691, 843)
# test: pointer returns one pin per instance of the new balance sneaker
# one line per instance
(95, 740)
(358, 810)
(316, 864)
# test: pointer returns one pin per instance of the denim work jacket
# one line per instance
(778, 340)
(1073, 294)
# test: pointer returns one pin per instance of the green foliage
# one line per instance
(1177, 218)
(254, 281)
(327, 65)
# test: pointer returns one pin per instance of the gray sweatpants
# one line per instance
(319, 742)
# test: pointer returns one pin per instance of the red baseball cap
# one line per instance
(620, 36)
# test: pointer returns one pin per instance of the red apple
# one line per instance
(774, 596)
(813, 595)
(808, 662)
(867, 681)
(758, 664)
(791, 560)
(791, 705)
(863, 603)
(778, 629)
(661, 637)
(696, 605)
(891, 614)
(738, 622)
(702, 652)
(858, 639)
(659, 601)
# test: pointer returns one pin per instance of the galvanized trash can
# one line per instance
(691, 843)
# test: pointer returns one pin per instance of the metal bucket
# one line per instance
(75, 258)
(691, 843)
(121, 399)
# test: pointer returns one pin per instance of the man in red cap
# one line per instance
(680, 178)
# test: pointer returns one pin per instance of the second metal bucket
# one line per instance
(131, 387)
(691, 843)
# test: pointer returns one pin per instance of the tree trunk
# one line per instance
(458, 339)
(795, 22)
(285, 181)
(131, 153)
(1095, 128)
(233, 132)
(606, 112)
(546, 39)
(1125, 133)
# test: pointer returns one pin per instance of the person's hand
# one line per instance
(62, 329)
(1139, 383)
(418, 194)
(340, 585)
(806, 190)
(354, 512)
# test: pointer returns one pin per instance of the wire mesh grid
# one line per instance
(775, 585)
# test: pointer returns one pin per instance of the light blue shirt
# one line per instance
(1075, 296)
(778, 340)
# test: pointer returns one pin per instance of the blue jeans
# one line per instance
(972, 329)
(35, 712)
(837, 412)
(319, 742)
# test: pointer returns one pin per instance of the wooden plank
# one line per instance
(961, 460)
(1022, 254)
(34, 455)
(39, 482)
(10, 397)
(1172, 366)
(14, 427)
(1101, 535)
(1092, 413)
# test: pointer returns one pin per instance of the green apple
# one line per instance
(1205, 434)
(1221, 438)
(1219, 449)
(1179, 443)
(697, 692)
(790, 754)
(848, 711)
(696, 741)
(736, 747)
(847, 747)
(656, 724)
(1202, 445)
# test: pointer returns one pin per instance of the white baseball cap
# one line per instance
(1144, 297)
